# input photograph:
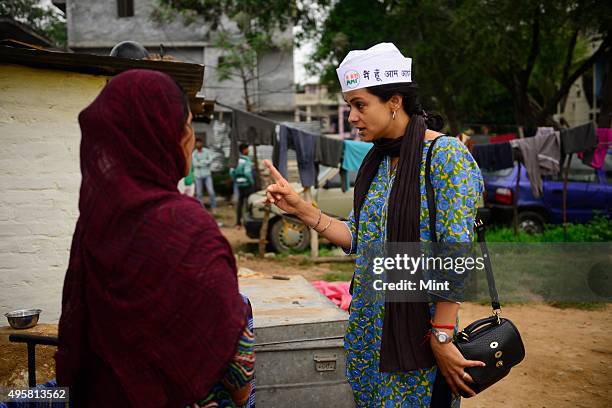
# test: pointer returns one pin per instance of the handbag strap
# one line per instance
(478, 227)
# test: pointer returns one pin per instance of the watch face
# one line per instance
(442, 337)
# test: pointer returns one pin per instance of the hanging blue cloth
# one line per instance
(354, 152)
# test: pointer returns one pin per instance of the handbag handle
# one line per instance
(478, 227)
(478, 324)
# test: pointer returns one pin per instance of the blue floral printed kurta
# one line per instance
(458, 186)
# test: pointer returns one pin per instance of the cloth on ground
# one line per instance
(493, 156)
(578, 139)
(598, 156)
(337, 292)
(541, 156)
(304, 145)
(252, 129)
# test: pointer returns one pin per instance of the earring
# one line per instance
(393, 116)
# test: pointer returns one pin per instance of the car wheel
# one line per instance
(286, 235)
(531, 222)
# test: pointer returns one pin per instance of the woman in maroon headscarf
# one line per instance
(151, 313)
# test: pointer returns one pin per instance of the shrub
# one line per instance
(599, 229)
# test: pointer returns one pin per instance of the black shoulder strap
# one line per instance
(431, 197)
(478, 227)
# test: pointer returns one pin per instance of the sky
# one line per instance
(300, 58)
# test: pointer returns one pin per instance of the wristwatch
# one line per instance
(440, 336)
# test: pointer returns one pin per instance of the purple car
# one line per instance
(589, 193)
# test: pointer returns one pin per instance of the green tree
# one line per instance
(536, 49)
(422, 30)
(46, 21)
(472, 56)
(249, 33)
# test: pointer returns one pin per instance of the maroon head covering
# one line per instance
(151, 313)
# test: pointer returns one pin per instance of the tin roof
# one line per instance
(190, 76)
(11, 29)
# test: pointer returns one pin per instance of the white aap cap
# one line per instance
(378, 65)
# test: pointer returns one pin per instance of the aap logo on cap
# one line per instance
(352, 78)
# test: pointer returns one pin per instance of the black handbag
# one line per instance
(493, 340)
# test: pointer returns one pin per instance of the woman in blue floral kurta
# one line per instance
(458, 186)
(390, 198)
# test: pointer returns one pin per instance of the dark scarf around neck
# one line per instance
(405, 327)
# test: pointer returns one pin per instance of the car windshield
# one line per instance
(324, 172)
(496, 173)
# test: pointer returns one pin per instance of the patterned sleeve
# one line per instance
(458, 186)
(350, 224)
(242, 366)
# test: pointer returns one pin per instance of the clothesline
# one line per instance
(311, 148)
(543, 153)
(265, 118)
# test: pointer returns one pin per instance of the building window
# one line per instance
(125, 8)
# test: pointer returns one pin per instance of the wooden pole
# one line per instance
(314, 236)
(565, 177)
(515, 199)
(263, 232)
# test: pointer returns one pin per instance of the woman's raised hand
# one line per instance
(281, 193)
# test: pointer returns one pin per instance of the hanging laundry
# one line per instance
(493, 157)
(506, 137)
(544, 131)
(304, 145)
(529, 131)
(250, 128)
(604, 138)
(354, 153)
(597, 157)
(329, 151)
(540, 155)
(578, 139)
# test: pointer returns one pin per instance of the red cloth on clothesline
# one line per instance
(506, 137)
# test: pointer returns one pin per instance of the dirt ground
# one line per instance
(568, 351)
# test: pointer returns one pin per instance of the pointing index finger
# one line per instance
(275, 173)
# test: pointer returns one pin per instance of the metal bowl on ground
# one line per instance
(24, 318)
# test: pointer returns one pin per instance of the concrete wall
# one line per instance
(577, 110)
(94, 23)
(93, 27)
(39, 182)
